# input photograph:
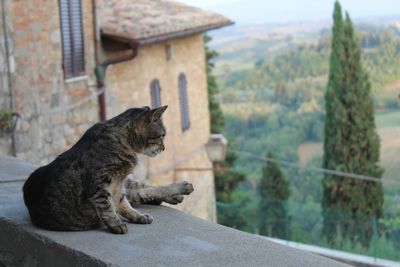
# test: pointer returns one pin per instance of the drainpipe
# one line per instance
(101, 68)
(101, 75)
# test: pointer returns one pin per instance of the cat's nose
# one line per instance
(162, 147)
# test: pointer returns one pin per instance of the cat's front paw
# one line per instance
(145, 219)
(174, 199)
(119, 229)
(185, 188)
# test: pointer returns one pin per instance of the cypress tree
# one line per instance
(274, 191)
(351, 142)
(216, 115)
(225, 182)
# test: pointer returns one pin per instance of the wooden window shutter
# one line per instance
(72, 38)
(155, 92)
(183, 99)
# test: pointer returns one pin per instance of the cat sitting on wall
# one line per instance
(87, 184)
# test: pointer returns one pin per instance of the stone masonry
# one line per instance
(5, 100)
(50, 119)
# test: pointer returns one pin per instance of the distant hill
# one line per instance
(239, 33)
(247, 48)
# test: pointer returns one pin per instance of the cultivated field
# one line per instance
(388, 124)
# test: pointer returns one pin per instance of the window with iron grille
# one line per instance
(155, 93)
(183, 99)
(72, 38)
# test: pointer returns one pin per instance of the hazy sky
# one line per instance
(251, 11)
(206, 3)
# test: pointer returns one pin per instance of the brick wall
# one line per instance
(40, 92)
(129, 86)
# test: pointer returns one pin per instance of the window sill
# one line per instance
(77, 79)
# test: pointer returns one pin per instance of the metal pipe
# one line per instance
(102, 103)
(101, 68)
(101, 75)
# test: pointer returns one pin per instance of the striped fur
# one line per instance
(87, 185)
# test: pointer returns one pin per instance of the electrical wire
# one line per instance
(317, 169)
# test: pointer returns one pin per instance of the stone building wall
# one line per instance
(54, 111)
(5, 100)
(185, 157)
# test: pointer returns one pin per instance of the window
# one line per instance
(169, 51)
(183, 99)
(72, 38)
(155, 92)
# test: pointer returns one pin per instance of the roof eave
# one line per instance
(166, 36)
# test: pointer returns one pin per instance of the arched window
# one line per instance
(155, 93)
(183, 99)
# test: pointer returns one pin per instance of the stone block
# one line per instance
(68, 130)
(36, 27)
(55, 35)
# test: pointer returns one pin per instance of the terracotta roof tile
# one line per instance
(150, 21)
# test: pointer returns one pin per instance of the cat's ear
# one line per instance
(147, 108)
(155, 114)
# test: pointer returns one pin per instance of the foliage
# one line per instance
(241, 213)
(281, 131)
(279, 103)
(217, 117)
(351, 143)
(274, 191)
(310, 62)
(272, 96)
(6, 121)
(225, 182)
(392, 227)
(273, 185)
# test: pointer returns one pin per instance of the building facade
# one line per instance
(48, 55)
(33, 82)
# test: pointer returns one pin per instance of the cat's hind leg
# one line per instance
(172, 194)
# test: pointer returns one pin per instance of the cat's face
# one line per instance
(155, 140)
(154, 132)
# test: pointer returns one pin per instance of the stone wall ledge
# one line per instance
(173, 239)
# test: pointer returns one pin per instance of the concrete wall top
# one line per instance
(173, 239)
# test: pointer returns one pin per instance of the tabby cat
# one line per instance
(88, 184)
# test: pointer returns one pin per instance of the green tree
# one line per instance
(351, 143)
(217, 117)
(274, 192)
(241, 213)
(225, 182)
